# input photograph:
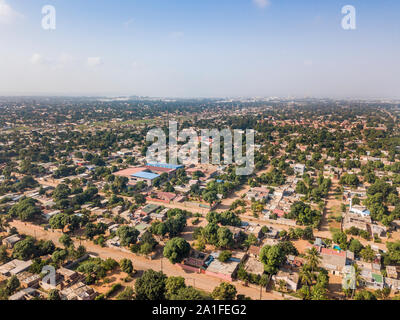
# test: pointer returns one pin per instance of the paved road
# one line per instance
(200, 281)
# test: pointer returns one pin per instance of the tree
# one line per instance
(383, 294)
(225, 256)
(3, 254)
(304, 215)
(24, 249)
(59, 221)
(209, 233)
(305, 275)
(341, 239)
(188, 293)
(176, 250)
(12, 285)
(54, 295)
(272, 257)
(59, 256)
(25, 209)
(173, 285)
(126, 266)
(364, 295)
(127, 235)
(127, 294)
(368, 254)
(301, 188)
(151, 286)
(393, 253)
(139, 198)
(313, 258)
(66, 241)
(225, 291)
(318, 292)
(210, 196)
(225, 238)
(355, 246)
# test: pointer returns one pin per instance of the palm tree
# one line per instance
(306, 277)
(354, 278)
(313, 258)
(357, 278)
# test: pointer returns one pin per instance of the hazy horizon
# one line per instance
(201, 49)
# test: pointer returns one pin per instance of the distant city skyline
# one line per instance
(203, 49)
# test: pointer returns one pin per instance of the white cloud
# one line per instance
(262, 3)
(94, 61)
(7, 14)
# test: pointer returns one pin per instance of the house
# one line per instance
(48, 215)
(15, 267)
(25, 294)
(392, 272)
(360, 210)
(144, 176)
(158, 216)
(148, 209)
(393, 284)
(319, 242)
(258, 194)
(10, 241)
(372, 280)
(299, 169)
(78, 291)
(236, 232)
(254, 251)
(224, 270)
(294, 262)
(69, 277)
(332, 260)
(254, 266)
(27, 279)
(162, 196)
(197, 259)
(291, 279)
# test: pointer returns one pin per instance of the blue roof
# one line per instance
(165, 165)
(145, 175)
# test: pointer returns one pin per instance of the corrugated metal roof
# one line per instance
(145, 175)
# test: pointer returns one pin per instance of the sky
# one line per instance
(201, 48)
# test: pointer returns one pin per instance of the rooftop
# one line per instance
(165, 165)
(145, 175)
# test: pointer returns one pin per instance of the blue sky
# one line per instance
(202, 48)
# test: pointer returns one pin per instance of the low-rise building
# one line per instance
(290, 278)
(78, 291)
(10, 241)
(14, 267)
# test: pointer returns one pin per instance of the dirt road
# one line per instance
(199, 281)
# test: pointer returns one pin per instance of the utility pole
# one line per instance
(161, 264)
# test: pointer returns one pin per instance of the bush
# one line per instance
(116, 287)
(225, 256)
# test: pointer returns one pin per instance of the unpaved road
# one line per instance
(199, 281)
